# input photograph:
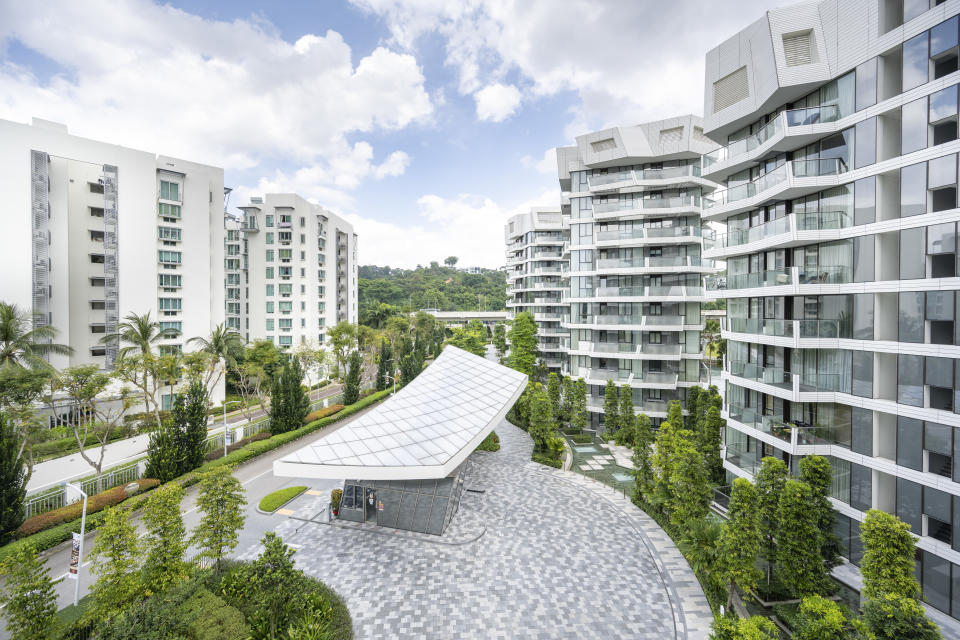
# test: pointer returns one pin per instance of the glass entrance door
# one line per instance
(370, 506)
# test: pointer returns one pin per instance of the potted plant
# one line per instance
(335, 497)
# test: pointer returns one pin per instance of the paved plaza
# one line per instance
(540, 553)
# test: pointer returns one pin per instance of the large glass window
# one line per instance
(170, 190)
(910, 443)
(914, 8)
(943, 36)
(861, 487)
(936, 581)
(863, 316)
(913, 262)
(909, 499)
(862, 427)
(866, 85)
(865, 142)
(910, 380)
(916, 56)
(911, 316)
(862, 374)
(863, 259)
(913, 190)
(865, 200)
(913, 126)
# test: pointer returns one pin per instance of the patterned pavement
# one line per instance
(542, 553)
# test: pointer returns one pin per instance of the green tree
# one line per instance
(115, 556)
(275, 579)
(542, 425)
(523, 343)
(451, 261)
(410, 368)
(343, 340)
(692, 419)
(298, 402)
(224, 346)
(662, 462)
(384, 368)
(891, 616)
(741, 539)
(566, 408)
(817, 473)
(822, 619)
(700, 543)
(164, 457)
(25, 344)
(888, 557)
(708, 442)
(689, 488)
(470, 340)
(611, 407)
(13, 480)
(221, 501)
(351, 387)
(799, 539)
(500, 340)
(625, 415)
(578, 412)
(190, 415)
(644, 478)
(770, 479)
(675, 414)
(166, 538)
(553, 391)
(28, 597)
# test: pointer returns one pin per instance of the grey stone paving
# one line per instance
(559, 557)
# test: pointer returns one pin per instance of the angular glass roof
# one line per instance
(424, 431)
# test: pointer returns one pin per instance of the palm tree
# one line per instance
(24, 345)
(223, 345)
(140, 333)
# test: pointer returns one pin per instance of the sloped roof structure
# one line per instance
(426, 430)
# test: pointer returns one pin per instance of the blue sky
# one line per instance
(425, 122)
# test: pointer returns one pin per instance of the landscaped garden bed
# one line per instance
(273, 501)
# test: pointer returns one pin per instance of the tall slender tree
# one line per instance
(166, 539)
(708, 442)
(553, 391)
(611, 409)
(663, 460)
(740, 542)
(500, 340)
(384, 370)
(689, 487)
(625, 413)
(817, 473)
(800, 566)
(523, 343)
(351, 387)
(115, 556)
(578, 414)
(190, 415)
(13, 480)
(221, 502)
(889, 553)
(566, 410)
(644, 478)
(770, 479)
(28, 597)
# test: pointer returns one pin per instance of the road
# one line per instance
(257, 479)
(73, 466)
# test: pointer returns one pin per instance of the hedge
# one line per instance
(50, 538)
(322, 413)
(74, 511)
(556, 463)
(581, 438)
(218, 452)
(273, 501)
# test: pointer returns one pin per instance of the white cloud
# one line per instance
(233, 94)
(628, 62)
(497, 102)
(547, 165)
(468, 226)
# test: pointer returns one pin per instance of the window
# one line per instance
(95, 187)
(269, 255)
(170, 280)
(170, 304)
(168, 233)
(169, 257)
(656, 337)
(270, 324)
(96, 236)
(286, 288)
(96, 258)
(285, 306)
(286, 324)
(168, 210)
(269, 221)
(172, 327)
(96, 212)
(865, 201)
(865, 143)
(169, 191)
(285, 341)
(913, 126)
(913, 190)
(270, 290)
(913, 263)
(286, 254)
(269, 307)
(911, 316)
(269, 237)
(943, 47)
(910, 380)
(916, 56)
(269, 273)
(867, 84)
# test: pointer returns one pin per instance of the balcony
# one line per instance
(804, 329)
(249, 224)
(655, 262)
(744, 146)
(786, 226)
(616, 207)
(636, 177)
(775, 376)
(782, 174)
(651, 233)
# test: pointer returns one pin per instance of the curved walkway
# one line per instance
(561, 557)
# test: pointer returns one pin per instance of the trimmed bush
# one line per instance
(581, 438)
(549, 461)
(73, 511)
(490, 443)
(213, 454)
(572, 431)
(273, 501)
(207, 616)
(322, 413)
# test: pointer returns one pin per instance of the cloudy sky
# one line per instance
(425, 122)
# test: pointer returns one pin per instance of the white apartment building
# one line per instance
(536, 243)
(635, 279)
(291, 271)
(838, 121)
(95, 231)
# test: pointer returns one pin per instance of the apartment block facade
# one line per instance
(291, 271)
(96, 231)
(838, 173)
(537, 257)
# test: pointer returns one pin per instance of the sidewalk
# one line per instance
(73, 466)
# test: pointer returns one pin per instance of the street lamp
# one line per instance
(225, 424)
(83, 525)
(394, 379)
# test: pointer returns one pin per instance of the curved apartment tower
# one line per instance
(839, 168)
(635, 282)
(535, 263)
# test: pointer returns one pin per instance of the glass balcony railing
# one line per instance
(635, 176)
(819, 274)
(616, 206)
(638, 233)
(770, 278)
(813, 115)
(796, 168)
(641, 262)
(744, 146)
(839, 328)
(768, 375)
(761, 326)
(800, 221)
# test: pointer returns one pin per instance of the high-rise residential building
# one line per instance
(838, 121)
(95, 231)
(634, 284)
(536, 260)
(291, 271)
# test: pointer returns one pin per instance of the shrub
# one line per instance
(273, 501)
(217, 452)
(547, 460)
(581, 438)
(572, 431)
(207, 616)
(335, 497)
(73, 511)
(490, 443)
(322, 413)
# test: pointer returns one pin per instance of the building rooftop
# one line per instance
(426, 430)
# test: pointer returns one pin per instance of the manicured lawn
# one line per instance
(273, 501)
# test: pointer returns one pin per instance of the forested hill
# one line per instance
(433, 287)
